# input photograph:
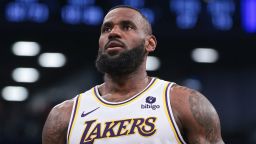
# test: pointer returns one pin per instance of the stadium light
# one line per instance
(134, 3)
(25, 75)
(15, 12)
(25, 48)
(38, 12)
(71, 14)
(149, 14)
(205, 55)
(92, 15)
(248, 9)
(53, 60)
(221, 12)
(81, 2)
(14, 93)
(153, 63)
(187, 12)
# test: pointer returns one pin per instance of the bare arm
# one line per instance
(196, 116)
(56, 125)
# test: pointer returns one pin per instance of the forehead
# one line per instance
(120, 14)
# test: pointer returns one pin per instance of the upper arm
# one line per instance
(197, 117)
(56, 125)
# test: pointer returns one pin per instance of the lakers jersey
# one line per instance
(145, 118)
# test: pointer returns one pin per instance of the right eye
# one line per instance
(106, 29)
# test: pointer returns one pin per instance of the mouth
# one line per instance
(114, 44)
(114, 47)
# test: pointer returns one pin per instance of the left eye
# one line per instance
(127, 27)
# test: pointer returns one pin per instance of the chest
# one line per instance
(143, 119)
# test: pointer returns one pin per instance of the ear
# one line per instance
(151, 43)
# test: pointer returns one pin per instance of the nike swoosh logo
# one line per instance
(85, 114)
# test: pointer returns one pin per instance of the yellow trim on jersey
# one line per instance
(128, 102)
(75, 117)
(167, 114)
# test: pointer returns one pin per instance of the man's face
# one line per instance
(122, 29)
(122, 41)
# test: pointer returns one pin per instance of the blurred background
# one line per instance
(48, 49)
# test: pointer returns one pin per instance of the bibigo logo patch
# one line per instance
(150, 100)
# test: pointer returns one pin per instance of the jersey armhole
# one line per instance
(72, 117)
(170, 112)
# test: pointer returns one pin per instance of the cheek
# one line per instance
(137, 39)
(102, 42)
(136, 42)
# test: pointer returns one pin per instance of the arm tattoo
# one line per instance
(205, 115)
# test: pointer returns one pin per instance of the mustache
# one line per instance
(116, 40)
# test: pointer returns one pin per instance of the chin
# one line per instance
(114, 53)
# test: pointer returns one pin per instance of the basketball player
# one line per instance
(130, 107)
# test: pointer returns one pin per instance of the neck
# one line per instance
(125, 84)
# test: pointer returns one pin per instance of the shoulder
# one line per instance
(56, 125)
(64, 108)
(185, 95)
(61, 112)
(186, 99)
(196, 116)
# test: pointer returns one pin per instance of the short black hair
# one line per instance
(148, 27)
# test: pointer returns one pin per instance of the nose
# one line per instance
(114, 33)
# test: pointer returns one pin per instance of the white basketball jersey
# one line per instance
(145, 118)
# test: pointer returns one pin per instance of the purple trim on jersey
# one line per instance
(169, 113)
(97, 95)
(73, 117)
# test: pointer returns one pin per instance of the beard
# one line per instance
(123, 63)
